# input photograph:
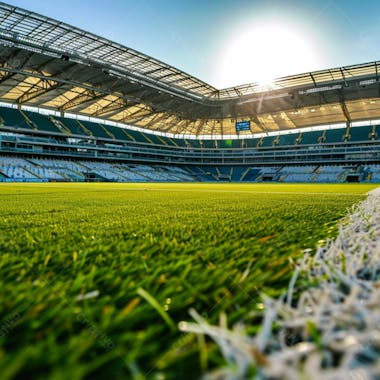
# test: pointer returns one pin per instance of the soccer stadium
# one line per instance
(155, 226)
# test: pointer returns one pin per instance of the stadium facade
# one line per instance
(78, 107)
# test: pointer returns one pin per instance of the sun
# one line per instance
(263, 53)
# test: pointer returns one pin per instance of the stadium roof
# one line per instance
(49, 64)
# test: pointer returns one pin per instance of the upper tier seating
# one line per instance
(13, 118)
(312, 137)
(96, 129)
(208, 144)
(288, 139)
(72, 126)
(66, 126)
(118, 133)
(335, 135)
(360, 133)
(190, 143)
(268, 141)
(41, 122)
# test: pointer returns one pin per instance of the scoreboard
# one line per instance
(243, 126)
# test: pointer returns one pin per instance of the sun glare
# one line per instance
(263, 53)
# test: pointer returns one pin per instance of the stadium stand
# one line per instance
(372, 173)
(297, 174)
(250, 174)
(68, 170)
(267, 141)
(309, 138)
(191, 143)
(13, 117)
(41, 122)
(95, 129)
(50, 139)
(117, 133)
(334, 135)
(14, 168)
(289, 139)
(237, 173)
(360, 133)
(329, 174)
(72, 126)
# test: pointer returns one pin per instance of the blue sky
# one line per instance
(203, 38)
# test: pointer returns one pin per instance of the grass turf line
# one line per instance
(74, 258)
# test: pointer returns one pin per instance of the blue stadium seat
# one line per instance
(117, 132)
(238, 144)
(211, 170)
(180, 142)
(145, 138)
(208, 144)
(202, 174)
(163, 140)
(310, 137)
(237, 172)
(252, 143)
(360, 133)
(170, 141)
(136, 136)
(268, 141)
(96, 129)
(252, 174)
(192, 143)
(73, 126)
(153, 138)
(288, 139)
(335, 135)
(377, 132)
(13, 118)
(224, 170)
(42, 122)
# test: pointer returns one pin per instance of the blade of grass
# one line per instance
(155, 304)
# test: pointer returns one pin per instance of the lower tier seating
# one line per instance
(24, 169)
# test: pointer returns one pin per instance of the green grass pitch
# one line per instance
(94, 278)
